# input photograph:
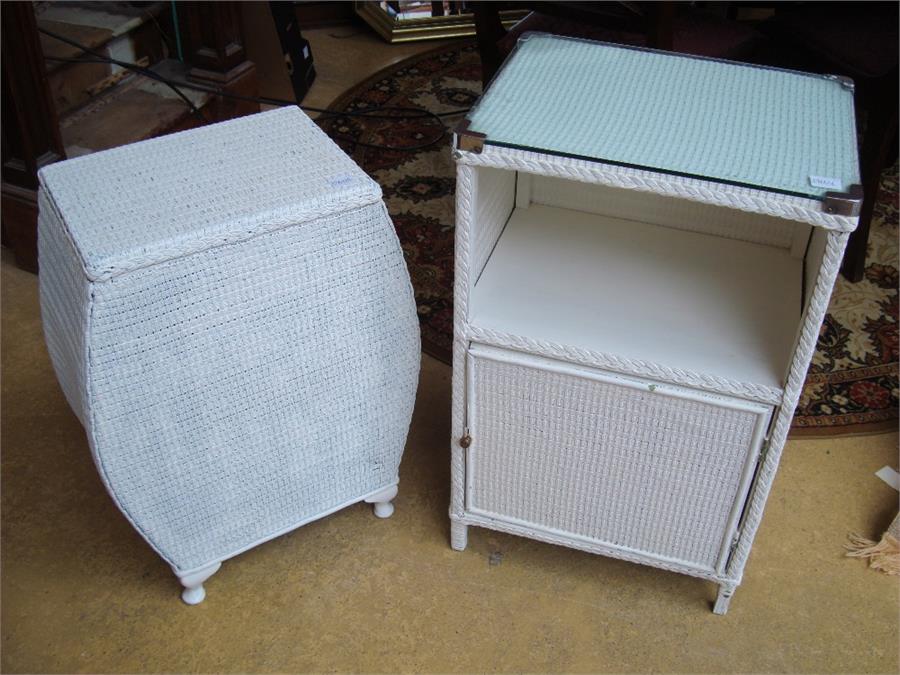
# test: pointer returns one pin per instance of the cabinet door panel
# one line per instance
(645, 467)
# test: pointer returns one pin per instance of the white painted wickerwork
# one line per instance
(242, 348)
(629, 350)
(614, 444)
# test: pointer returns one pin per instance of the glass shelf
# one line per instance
(765, 128)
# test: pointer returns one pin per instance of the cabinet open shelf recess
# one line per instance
(726, 307)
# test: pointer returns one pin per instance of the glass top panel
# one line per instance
(778, 130)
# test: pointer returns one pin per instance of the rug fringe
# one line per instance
(883, 555)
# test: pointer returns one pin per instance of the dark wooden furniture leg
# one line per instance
(660, 28)
(215, 51)
(880, 135)
(31, 138)
(488, 32)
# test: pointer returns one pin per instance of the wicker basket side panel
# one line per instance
(65, 295)
(624, 466)
(249, 387)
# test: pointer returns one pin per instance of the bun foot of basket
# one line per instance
(459, 535)
(382, 501)
(194, 593)
(723, 598)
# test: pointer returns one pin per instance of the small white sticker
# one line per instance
(825, 182)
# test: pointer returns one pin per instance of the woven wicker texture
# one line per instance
(65, 300)
(648, 472)
(235, 391)
(139, 204)
(711, 119)
(303, 383)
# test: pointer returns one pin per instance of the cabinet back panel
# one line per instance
(666, 211)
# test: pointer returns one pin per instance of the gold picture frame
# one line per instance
(395, 28)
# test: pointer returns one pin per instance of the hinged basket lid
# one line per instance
(776, 130)
(147, 202)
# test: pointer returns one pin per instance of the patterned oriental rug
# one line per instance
(852, 385)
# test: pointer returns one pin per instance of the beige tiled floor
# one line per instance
(81, 592)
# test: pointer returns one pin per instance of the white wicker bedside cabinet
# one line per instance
(645, 248)
(230, 316)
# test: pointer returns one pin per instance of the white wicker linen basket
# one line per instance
(641, 275)
(229, 314)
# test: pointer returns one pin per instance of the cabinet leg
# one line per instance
(723, 598)
(459, 535)
(194, 593)
(382, 501)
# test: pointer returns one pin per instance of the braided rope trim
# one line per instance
(720, 385)
(806, 345)
(593, 547)
(707, 192)
(457, 453)
(465, 179)
(464, 200)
